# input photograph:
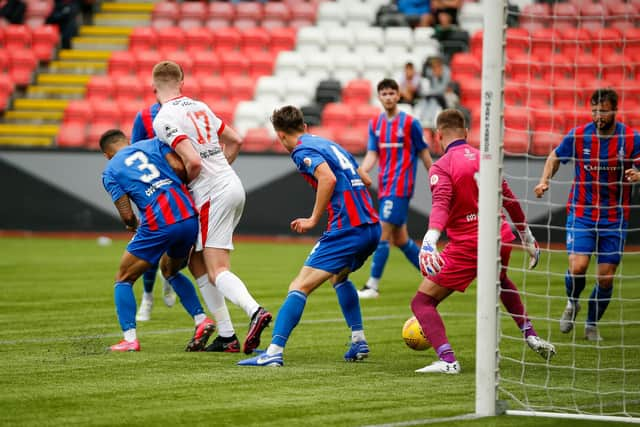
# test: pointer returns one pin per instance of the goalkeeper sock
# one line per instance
(149, 279)
(216, 305)
(187, 294)
(574, 285)
(380, 257)
(236, 291)
(424, 308)
(288, 317)
(412, 252)
(350, 304)
(598, 303)
(125, 305)
(511, 300)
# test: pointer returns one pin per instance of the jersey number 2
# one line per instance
(144, 165)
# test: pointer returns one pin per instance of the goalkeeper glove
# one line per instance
(531, 246)
(430, 260)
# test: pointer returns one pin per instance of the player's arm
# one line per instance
(123, 204)
(633, 174)
(369, 161)
(231, 142)
(364, 176)
(420, 145)
(511, 204)
(190, 158)
(425, 156)
(326, 183)
(551, 166)
(176, 164)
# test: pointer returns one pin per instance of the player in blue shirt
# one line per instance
(144, 174)
(352, 233)
(396, 143)
(606, 155)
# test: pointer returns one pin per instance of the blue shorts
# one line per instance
(394, 210)
(586, 237)
(339, 249)
(175, 239)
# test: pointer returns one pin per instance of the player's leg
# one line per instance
(131, 268)
(226, 341)
(512, 302)
(408, 247)
(581, 242)
(288, 317)
(610, 247)
(146, 301)
(378, 261)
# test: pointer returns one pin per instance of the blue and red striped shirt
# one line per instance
(141, 172)
(143, 123)
(350, 204)
(398, 143)
(599, 192)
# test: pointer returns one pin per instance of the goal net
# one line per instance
(534, 91)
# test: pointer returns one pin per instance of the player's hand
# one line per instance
(531, 246)
(302, 225)
(540, 189)
(632, 175)
(430, 260)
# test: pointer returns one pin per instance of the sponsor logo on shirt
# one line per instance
(169, 131)
(591, 168)
(154, 187)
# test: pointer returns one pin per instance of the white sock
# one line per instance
(130, 335)
(216, 305)
(147, 296)
(373, 283)
(274, 349)
(357, 336)
(235, 291)
(199, 318)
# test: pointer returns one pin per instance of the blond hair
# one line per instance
(166, 73)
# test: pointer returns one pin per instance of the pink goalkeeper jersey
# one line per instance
(454, 190)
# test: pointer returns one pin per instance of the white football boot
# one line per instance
(441, 367)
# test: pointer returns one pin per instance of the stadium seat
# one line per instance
(282, 39)
(365, 112)
(277, 12)
(192, 88)
(100, 87)
(537, 94)
(22, 63)
(198, 40)
(142, 38)
(17, 37)
(376, 67)
(354, 139)
(180, 57)
(192, 14)
(249, 10)
(556, 66)
(566, 95)
(574, 41)
(631, 43)
(206, 66)
(234, 63)
(165, 14)
(339, 40)
(360, 14)
(299, 91)
(475, 43)
(290, 64)
(44, 40)
(241, 88)
(220, 15)
(547, 120)
(515, 142)
(96, 130)
(73, 135)
(587, 67)
(222, 108)
(170, 39)
(346, 68)
(398, 37)
(513, 94)
(270, 89)
(78, 111)
(249, 114)
(516, 118)
(323, 131)
(318, 65)
(6, 88)
(227, 39)
(255, 40)
(311, 39)
(213, 86)
(616, 67)
(564, 15)
(518, 41)
(328, 91)
(543, 142)
(577, 117)
(606, 41)
(129, 88)
(330, 14)
(337, 115)
(128, 111)
(312, 113)
(535, 16)
(303, 11)
(592, 15)
(465, 66)
(630, 94)
(470, 93)
(257, 140)
(106, 111)
(261, 64)
(544, 42)
(245, 23)
(622, 15)
(121, 63)
(145, 60)
(356, 92)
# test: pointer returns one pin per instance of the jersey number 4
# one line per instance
(143, 165)
(343, 160)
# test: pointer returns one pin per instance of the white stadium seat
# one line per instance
(318, 65)
(270, 89)
(339, 39)
(311, 39)
(300, 91)
(330, 14)
(398, 37)
(249, 114)
(369, 39)
(289, 64)
(347, 68)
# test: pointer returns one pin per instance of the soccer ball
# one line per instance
(413, 336)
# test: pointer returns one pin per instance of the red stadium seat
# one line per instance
(303, 11)
(6, 88)
(592, 15)
(475, 44)
(566, 95)
(74, 135)
(470, 93)
(523, 68)
(622, 14)
(518, 41)
(535, 16)
(142, 38)
(251, 10)
(180, 57)
(78, 111)
(465, 66)
(513, 94)
(165, 14)
(191, 88)
(38, 9)
(577, 117)
(121, 63)
(587, 67)
(270, 23)
(365, 112)
(145, 61)
(517, 118)
(44, 40)
(192, 14)
(563, 15)
(631, 43)
(198, 40)
(206, 66)
(616, 67)
(630, 93)
(543, 142)
(276, 11)
(544, 42)
(283, 39)
(336, 115)
(233, 63)
(606, 41)
(261, 64)
(100, 87)
(128, 111)
(257, 140)
(222, 11)
(255, 39)
(227, 39)
(170, 38)
(96, 130)
(574, 41)
(129, 88)
(17, 37)
(548, 120)
(354, 140)
(515, 142)
(357, 92)
(106, 110)
(323, 131)
(213, 86)
(22, 63)
(556, 66)
(222, 108)
(473, 138)
(241, 87)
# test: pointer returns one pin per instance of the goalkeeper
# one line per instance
(454, 192)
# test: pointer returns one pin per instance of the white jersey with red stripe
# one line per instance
(183, 118)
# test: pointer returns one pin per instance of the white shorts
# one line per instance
(220, 214)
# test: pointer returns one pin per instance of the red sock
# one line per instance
(510, 298)
(424, 308)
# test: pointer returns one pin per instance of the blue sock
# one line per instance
(350, 304)
(187, 294)
(412, 252)
(288, 317)
(125, 305)
(598, 303)
(574, 286)
(149, 278)
(380, 257)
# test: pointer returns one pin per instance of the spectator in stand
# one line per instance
(434, 90)
(65, 15)
(409, 83)
(445, 12)
(12, 11)
(417, 12)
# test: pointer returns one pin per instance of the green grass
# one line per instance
(57, 317)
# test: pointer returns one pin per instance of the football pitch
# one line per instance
(57, 318)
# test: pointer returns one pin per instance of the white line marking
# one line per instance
(427, 421)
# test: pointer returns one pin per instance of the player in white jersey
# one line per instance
(207, 148)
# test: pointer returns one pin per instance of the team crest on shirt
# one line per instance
(307, 161)
(434, 179)
(470, 155)
(586, 151)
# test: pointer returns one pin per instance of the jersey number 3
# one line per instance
(143, 165)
